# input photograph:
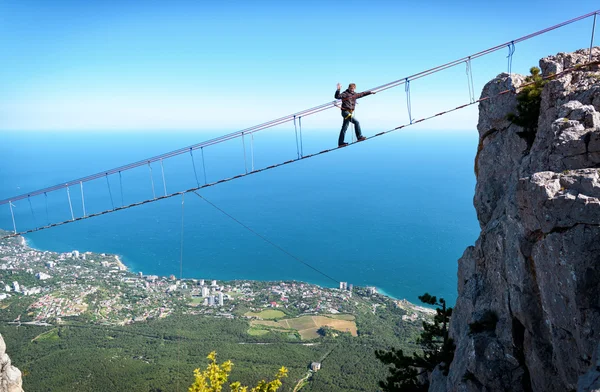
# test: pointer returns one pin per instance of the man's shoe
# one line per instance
(342, 144)
(361, 138)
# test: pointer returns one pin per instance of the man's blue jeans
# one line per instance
(347, 120)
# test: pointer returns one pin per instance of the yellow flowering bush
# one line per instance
(215, 376)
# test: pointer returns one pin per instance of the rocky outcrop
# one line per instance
(10, 376)
(536, 264)
(590, 382)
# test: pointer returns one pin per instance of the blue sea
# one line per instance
(393, 212)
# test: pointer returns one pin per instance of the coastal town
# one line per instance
(98, 288)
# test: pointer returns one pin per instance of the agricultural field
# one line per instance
(307, 326)
(348, 317)
(268, 323)
(257, 332)
(51, 335)
(267, 314)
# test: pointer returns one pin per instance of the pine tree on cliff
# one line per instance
(410, 373)
(529, 100)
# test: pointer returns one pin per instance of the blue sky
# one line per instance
(197, 65)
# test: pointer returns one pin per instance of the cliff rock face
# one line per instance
(10, 376)
(536, 265)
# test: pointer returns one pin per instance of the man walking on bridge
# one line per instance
(349, 98)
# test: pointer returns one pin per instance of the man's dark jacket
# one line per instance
(349, 98)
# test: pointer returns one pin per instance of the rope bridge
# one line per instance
(296, 118)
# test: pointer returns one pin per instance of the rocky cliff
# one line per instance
(528, 313)
(10, 376)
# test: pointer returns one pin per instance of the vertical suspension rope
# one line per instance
(180, 274)
(471, 77)
(511, 51)
(203, 165)
(162, 168)
(408, 104)
(109, 192)
(46, 199)
(12, 214)
(244, 147)
(301, 146)
(182, 227)
(470, 84)
(31, 209)
(82, 199)
(194, 165)
(592, 41)
(151, 180)
(252, 149)
(70, 205)
(121, 188)
(296, 131)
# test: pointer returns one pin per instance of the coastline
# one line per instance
(150, 267)
(382, 292)
(123, 267)
(28, 243)
(67, 278)
(120, 264)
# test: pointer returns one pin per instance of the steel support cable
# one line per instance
(470, 84)
(306, 112)
(32, 213)
(252, 150)
(110, 192)
(270, 124)
(46, 199)
(543, 31)
(578, 67)
(511, 51)
(180, 275)
(592, 40)
(71, 205)
(407, 90)
(274, 244)
(12, 214)
(297, 145)
(245, 160)
(162, 169)
(194, 165)
(483, 52)
(83, 199)
(152, 180)
(265, 238)
(121, 188)
(203, 165)
(301, 145)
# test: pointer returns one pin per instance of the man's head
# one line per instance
(352, 87)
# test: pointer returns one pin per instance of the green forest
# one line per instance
(160, 355)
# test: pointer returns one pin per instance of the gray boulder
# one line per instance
(10, 376)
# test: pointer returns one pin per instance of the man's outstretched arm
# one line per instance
(360, 95)
(337, 92)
